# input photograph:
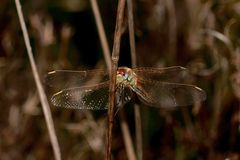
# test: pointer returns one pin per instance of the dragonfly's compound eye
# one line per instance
(125, 75)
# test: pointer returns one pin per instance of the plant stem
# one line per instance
(137, 112)
(172, 35)
(43, 98)
(131, 33)
(106, 51)
(126, 136)
(101, 32)
(114, 65)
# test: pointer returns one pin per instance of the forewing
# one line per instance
(175, 74)
(168, 95)
(92, 97)
(61, 79)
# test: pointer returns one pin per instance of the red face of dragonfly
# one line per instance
(126, 76)
(123, 71)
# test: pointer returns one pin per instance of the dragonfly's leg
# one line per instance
(120, 103)
(118, 109)
(119, 95)
(124, 95)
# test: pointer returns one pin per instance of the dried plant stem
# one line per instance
(106, 51)
(114, 65)
(127, 137)
(137, 113)
(101, 32)
(131, 33)
(172, 29)
(138, 128)
(43, 98)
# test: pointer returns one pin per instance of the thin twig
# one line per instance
(114, 65)
(43, 98)
(138, 128)
(101, 32)
(131, 33)
(172, 29)
(137, 112)
(105, 46)
(127, 137)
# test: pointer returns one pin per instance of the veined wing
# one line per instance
(175, 74)
(92, 97)
(168, 95)
(60, 79)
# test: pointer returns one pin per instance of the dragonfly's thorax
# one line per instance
(126, 76)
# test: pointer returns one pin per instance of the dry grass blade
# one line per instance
(43, 98)
(106, 51)
(131, 33)
(114, 65)
(172, 29)
(138, 124)
(101, 32)
(137, 113)
(127, 137)
(222, 38)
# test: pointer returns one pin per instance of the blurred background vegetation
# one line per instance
(202, 35)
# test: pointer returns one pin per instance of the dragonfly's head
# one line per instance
(126, 76)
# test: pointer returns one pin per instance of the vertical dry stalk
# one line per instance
(114, 65)
(172, 29)
(137, 112)
(106, 50)
(101, 32)
(127, 137)
(131, 32)
(43, 98)
(138, 128)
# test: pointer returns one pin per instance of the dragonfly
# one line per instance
(156, 87)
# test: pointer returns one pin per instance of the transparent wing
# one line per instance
(168, 95)
(60, 79)
(92, 97)
(174, 74)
